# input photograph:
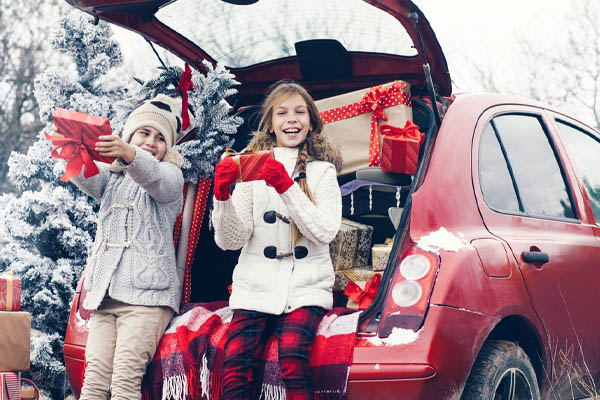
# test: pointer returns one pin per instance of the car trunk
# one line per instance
(325, 68)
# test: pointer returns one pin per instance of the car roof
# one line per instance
(323, 64)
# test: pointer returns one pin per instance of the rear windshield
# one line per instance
(240, 36)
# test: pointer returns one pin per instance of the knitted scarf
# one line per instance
(189, 361)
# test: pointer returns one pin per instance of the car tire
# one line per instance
(502, 370)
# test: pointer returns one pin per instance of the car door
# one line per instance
(526, 198)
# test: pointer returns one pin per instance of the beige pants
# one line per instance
(121, 343)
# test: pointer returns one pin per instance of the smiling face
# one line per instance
(290, 120)
(150, 139)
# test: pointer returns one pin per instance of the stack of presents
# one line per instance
(15, 330)
(380, 146)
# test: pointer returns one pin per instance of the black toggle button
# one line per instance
(271, 216)
(270, 251)
(300, 252)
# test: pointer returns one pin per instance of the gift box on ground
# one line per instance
(10, 292)
(15, 332)
(10, 385)
(81, 132)
(249, 163)
(351, 246)
(380, 254)
(400, 149)
(352, 121)
(362, 293)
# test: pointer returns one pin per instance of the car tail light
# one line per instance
(410, 291)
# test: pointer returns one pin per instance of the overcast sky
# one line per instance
(482, 31)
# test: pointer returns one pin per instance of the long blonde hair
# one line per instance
(314, 147)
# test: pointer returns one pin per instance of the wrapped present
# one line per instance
(362, 293)
(249, 163)
(15, 332)
(81, 132)
(380, 254)
(400, 152)
(10, 292)
(342, 247)
(351, 246)
(10, 385)
(355, 274)
(352, 121)
(363, 242)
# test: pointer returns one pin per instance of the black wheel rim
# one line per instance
(513, 385)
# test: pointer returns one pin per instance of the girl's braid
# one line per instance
(301, 168)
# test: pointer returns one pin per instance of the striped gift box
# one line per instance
(10, 292)
(10, 385)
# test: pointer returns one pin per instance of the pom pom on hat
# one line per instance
(162, 113)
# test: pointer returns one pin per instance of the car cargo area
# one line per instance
(212, 267)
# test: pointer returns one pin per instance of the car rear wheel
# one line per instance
(502, 371)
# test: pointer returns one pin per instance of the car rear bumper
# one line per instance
(433, 366)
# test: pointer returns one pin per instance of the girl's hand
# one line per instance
(114, 146)
(274, 173)
(226, 173)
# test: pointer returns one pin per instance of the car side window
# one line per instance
(584, 151)
(494, 176)
(530, 160)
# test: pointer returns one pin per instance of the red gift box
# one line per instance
(400, 150)
(81, 132)
(249, 164)
(10, 292)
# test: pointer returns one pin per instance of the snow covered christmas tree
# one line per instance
(49, 229)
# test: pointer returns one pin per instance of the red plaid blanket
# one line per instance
(189, 361)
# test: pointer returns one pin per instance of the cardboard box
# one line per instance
(353, 134)
(10, 292)
(15, 333)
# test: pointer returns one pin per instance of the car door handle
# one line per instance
(535, 257)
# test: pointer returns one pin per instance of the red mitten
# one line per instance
(274, 173)
(226, 173)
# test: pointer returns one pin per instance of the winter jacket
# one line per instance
(133, 257)
(293, 280)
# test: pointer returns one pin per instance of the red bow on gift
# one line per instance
(364, 297)
(410, 131)
(77, 147)
(185, 85)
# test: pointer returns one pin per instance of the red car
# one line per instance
(489, 290)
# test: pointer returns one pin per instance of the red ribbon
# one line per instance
(185, 85)
(374, 101)
(365, 297)
(77, 154)
(410, 131)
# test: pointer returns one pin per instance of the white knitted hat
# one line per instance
(162, 113)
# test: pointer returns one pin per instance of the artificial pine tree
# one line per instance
(49, 229)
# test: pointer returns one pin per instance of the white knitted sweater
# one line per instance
(133, 257)
(282, 284)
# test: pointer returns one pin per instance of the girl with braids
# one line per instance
(283, 281)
